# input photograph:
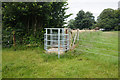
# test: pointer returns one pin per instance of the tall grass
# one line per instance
(88, 60)
(100, 46)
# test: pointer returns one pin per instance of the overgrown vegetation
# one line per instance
(96, 56)
(24, 22)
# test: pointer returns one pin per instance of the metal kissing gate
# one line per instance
(56, 40)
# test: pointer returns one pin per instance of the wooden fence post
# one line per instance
(14, 43)
(78, 34)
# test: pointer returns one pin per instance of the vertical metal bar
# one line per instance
(63, 39)
(68, 42)
(58, 43)
(66, 38)
(46, 39)
(51, 39)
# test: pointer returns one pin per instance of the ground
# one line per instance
(96, 56)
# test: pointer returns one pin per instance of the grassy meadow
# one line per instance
(96, 56)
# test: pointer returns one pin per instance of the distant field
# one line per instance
(96, 56)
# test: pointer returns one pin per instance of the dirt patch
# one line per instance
(55, 50)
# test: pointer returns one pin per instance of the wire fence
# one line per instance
(98, 49)
(99, 53)
(97, 42)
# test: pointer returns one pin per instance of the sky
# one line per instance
(93, 6)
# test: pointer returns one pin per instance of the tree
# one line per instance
(84, 20)
(117, 16)
(108, 19)
(28, 20)
(71, 23)
(79, 18)
(90, 20)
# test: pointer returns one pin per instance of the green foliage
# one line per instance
(71, 24)
(109, 19)
(30, 19)
(84, 20)
(7, 37)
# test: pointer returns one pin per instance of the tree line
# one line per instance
(24, 22)
(109, 19)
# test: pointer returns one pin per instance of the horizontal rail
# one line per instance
(56, 40)
(56, 45)
(56, 34)
(57, 50)
(56, 28)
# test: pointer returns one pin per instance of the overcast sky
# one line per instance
(94, 6)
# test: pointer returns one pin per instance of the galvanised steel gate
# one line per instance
(56, 39)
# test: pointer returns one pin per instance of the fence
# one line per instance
(59, 40)
(87, 49)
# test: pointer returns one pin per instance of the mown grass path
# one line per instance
(85, 61)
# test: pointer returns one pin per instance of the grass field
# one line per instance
(96, 56)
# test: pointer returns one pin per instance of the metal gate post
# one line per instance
(46, 39)
(68, 44)
(63, 40)
(58, 43)
(51, 38)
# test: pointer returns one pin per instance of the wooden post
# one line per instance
(74, 39)
(14, 43)
(71, 38)
(78, 34)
